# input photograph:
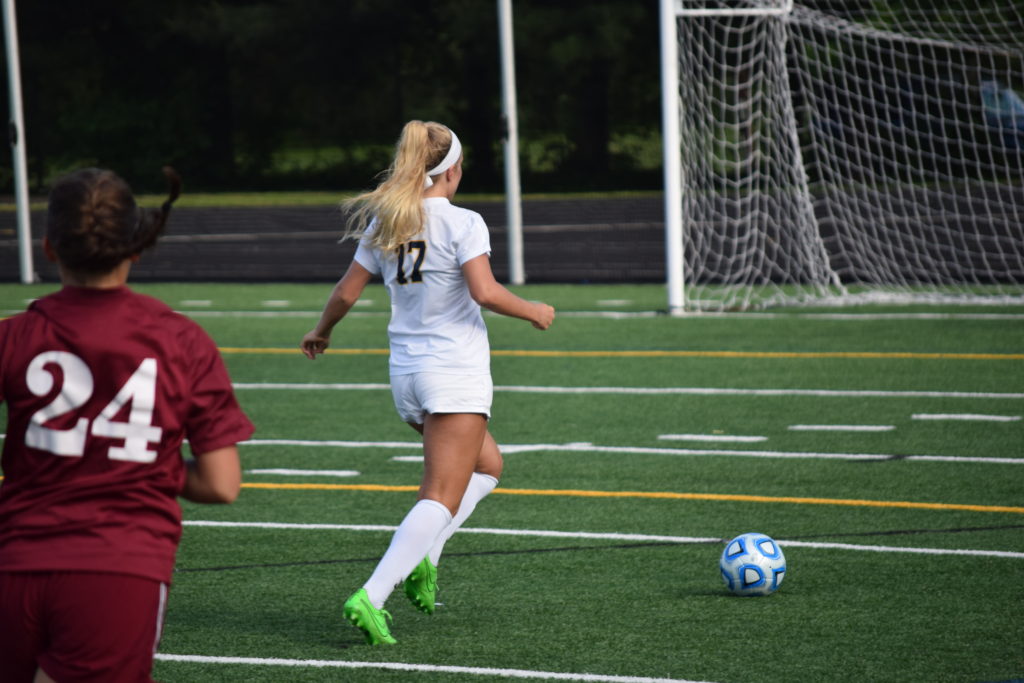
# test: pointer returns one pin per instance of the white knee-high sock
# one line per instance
(479, 486)
(410, 544)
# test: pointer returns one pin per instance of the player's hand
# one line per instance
(545, 315)
(313, 343)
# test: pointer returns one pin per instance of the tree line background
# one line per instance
(311, 94)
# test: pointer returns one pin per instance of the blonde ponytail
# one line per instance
(397, 203)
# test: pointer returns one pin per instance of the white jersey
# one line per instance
(435, 324)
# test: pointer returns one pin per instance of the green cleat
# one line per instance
(368, 619)
(421, 586)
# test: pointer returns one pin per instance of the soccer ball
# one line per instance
(752, 564)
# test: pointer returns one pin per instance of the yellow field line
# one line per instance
(523, 353)
(660, 495)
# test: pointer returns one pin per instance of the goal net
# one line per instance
(836, 151)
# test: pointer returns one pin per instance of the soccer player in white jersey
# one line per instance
(434, 259)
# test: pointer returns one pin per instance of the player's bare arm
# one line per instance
(493, 296)
(213, 477)
(343, 297)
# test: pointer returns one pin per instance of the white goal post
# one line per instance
(825, 151)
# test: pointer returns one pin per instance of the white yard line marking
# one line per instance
(835, 317)
(196, 302)
(966, 416)
(275, 303)
(428, 668)
(306, 473)
(583, 447)
(263, 314)
(412, 445)
(902, 549)
(711, 437)
(288, 386)
(639, 538)
(408, 458)
(641, 450)
(841, 428)
(653, 391)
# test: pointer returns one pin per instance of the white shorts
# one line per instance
(422, 393)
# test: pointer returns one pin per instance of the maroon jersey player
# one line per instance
(102, 387)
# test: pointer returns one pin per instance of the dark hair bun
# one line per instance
(93, 222)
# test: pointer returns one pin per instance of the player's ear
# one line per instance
(48, 251)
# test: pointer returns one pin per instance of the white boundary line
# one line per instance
(641, 450)
(711, 437)
(965, 416)
(654, 391)
(508, 449)
(286, 472)
(429, 668)
(185, 309)
(837, 317)
(841, 428)
(641, 538)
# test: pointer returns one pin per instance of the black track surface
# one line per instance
(589, 240)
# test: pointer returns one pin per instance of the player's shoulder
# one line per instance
(462, 223)
(162, 313)
(467, 214)
(443, 207)
(153, 306)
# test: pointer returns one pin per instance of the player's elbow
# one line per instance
(224, 493)
(484, 294)
(214, 477)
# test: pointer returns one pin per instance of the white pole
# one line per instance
(17, 137)
(672, 157)
(513, 193)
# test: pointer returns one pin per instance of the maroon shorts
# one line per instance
(79, 626)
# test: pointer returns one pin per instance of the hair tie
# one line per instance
(454, 152)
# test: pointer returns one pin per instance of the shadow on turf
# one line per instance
(528, 551)
(622, 546)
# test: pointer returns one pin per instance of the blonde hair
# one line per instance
(397, 203)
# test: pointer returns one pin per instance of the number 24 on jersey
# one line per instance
(75, 390)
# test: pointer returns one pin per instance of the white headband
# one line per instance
(454, 152)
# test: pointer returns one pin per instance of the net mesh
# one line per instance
(851, 151)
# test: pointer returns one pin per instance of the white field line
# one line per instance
(841, 428)
(426, 668)
(508, 449)
(653, 391)
(851, 317)
(306, 473)
(711, 437)
(637, 538)
(966, 416)
(269, 314)
(641, 450)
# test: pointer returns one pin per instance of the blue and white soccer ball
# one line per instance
(752, 564)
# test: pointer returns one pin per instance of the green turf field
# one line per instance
(882, 449)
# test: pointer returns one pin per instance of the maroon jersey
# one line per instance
(102, 387)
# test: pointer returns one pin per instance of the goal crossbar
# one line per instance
(682, 11)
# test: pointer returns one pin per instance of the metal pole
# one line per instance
(513, 193)
(672, 157)
(16, 131)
